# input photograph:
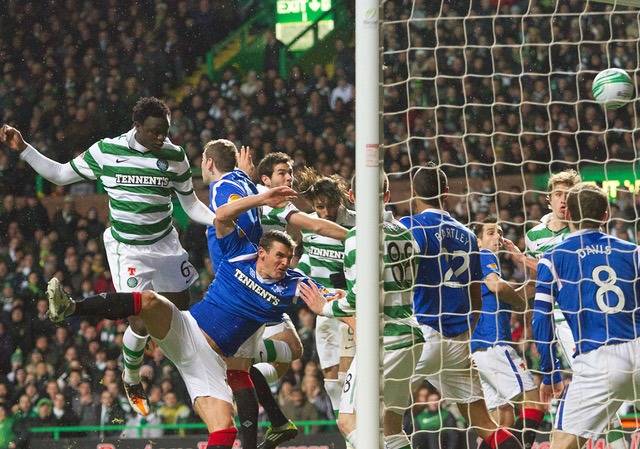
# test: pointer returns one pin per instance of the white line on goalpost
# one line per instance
(368, 219)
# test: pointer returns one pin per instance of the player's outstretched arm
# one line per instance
(196, 210)
(55, 172)
(305, 222)
(226, 214)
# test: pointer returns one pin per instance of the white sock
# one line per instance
(397, 441)
(269, 373)
(132, 354)
(273, 351)
(351, 439)
(333, 388)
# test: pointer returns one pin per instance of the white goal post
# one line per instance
(368, 220)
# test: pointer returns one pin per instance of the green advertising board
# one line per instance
(612, 176)
(294, 16)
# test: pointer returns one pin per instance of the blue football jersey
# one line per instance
(232, 186)
(239, 301)
(494, 324)
(593, 278)
(448, 261)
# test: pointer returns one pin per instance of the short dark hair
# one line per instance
(223, 152)
(587, 204)
(479, 227)
(149, 107)
(269, 237)
(268, 163)
(430, 183)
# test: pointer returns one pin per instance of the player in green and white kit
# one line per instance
(402, 338)
(322, 260)
(543, 237)
(140, 171)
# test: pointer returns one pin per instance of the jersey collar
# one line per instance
(436, 211)
(582, 232)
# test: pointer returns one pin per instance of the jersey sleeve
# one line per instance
(346, 306)
(182, 182)
(87, 165)
(529, 246)
(543, 332)
(490, 264)
(279, 215)
(224, 192)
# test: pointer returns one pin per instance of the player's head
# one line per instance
(489, 233)
(275, 170)
(558, 186)
(385, 188)
(151, 120)
(587, 206)
(430, 184)
(327, 194)
(275, 251)
(219, 156)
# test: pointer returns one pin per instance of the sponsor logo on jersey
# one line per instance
(132, 282)
(140, 180)
(257, 289)
(325, 253)
(162, 164)
(233, 197)
(493, 266)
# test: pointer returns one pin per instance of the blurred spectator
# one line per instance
(109, 413)
(297, 408)
(432, 426)
(6, 428)
(273, 48)
(173, 412)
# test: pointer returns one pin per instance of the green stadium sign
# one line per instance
(295, 16)
(612, 176)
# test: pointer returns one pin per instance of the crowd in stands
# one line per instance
(72, 70)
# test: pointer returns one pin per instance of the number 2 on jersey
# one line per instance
(452, 259)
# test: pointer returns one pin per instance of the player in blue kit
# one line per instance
(447, 290)
(505, 379)
(190, 339)
(593, 278)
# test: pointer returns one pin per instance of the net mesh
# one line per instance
(498, 94)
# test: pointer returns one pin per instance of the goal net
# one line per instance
(498, 94)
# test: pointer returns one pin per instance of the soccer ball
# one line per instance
(613, 88)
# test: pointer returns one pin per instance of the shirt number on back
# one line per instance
(400, 258)
(464, 266)
(605, 286)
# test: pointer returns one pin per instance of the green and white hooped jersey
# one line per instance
(139, 183)
(401, 329)
(540, 239)
(323, 256)
(275, 218)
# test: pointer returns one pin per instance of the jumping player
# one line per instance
(140, 170)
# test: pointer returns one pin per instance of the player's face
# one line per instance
(491, 235)
(206, 165)
(558, 200)
(282, 175)
(152, 132)
(326, 209)
(275, 262)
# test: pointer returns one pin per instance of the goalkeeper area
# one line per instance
(482, 268)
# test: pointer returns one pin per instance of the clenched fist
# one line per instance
(12, 138)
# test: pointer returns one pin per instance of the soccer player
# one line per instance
(322, 261)
(280, 342)
(140, 170)
(504, 377)
(254, 283)
(446, 293)
(592, 277)
(402, 338)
